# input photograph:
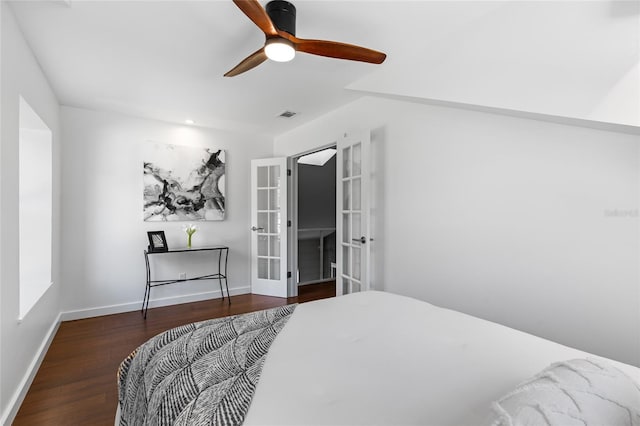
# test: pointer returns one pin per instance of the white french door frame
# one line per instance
(289, 221)
(292, 231)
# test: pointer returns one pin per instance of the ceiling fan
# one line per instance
(278, 22)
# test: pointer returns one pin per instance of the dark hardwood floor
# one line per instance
(76, 383)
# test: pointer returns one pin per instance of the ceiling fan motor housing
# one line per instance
(283, 15)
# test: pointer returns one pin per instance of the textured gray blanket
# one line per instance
(202, 373)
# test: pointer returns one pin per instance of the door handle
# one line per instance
(361, 240)
(254, 228)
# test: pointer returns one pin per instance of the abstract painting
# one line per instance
(183, 183)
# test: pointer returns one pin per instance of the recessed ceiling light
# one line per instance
(189, 122)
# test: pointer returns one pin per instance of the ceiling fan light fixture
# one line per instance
(278, 23)
(279, 50)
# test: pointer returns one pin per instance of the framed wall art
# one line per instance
(183, 183)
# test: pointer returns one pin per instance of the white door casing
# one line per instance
(352, 213)
(269, 227)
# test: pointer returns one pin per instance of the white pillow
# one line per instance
(577, 392)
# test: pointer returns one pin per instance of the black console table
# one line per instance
(222, 257)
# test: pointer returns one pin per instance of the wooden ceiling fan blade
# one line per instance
(258, 15)
(333, 49)
(251, 61)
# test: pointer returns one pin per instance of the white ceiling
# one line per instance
(563, 59)
(166, 59)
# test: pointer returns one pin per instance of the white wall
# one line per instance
(1, 206)
(22, 342)
(103, 264)
(503, 218)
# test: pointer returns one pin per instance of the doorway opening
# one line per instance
(275, 220)
(314, 214)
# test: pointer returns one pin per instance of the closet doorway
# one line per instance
(313, 215)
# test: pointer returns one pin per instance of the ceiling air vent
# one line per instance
(287, 114)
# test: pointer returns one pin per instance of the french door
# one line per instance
(269, 227)
(352, 213)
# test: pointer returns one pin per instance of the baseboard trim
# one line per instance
(18, 397)
(154, 303)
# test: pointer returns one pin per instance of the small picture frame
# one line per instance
(157, 241)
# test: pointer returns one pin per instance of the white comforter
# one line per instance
(378, 358)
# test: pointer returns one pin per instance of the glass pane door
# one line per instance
(269, 227)
(353, 219)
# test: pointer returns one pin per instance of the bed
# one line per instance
(379, 358)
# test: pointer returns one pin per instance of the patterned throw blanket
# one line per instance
(202, 373)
